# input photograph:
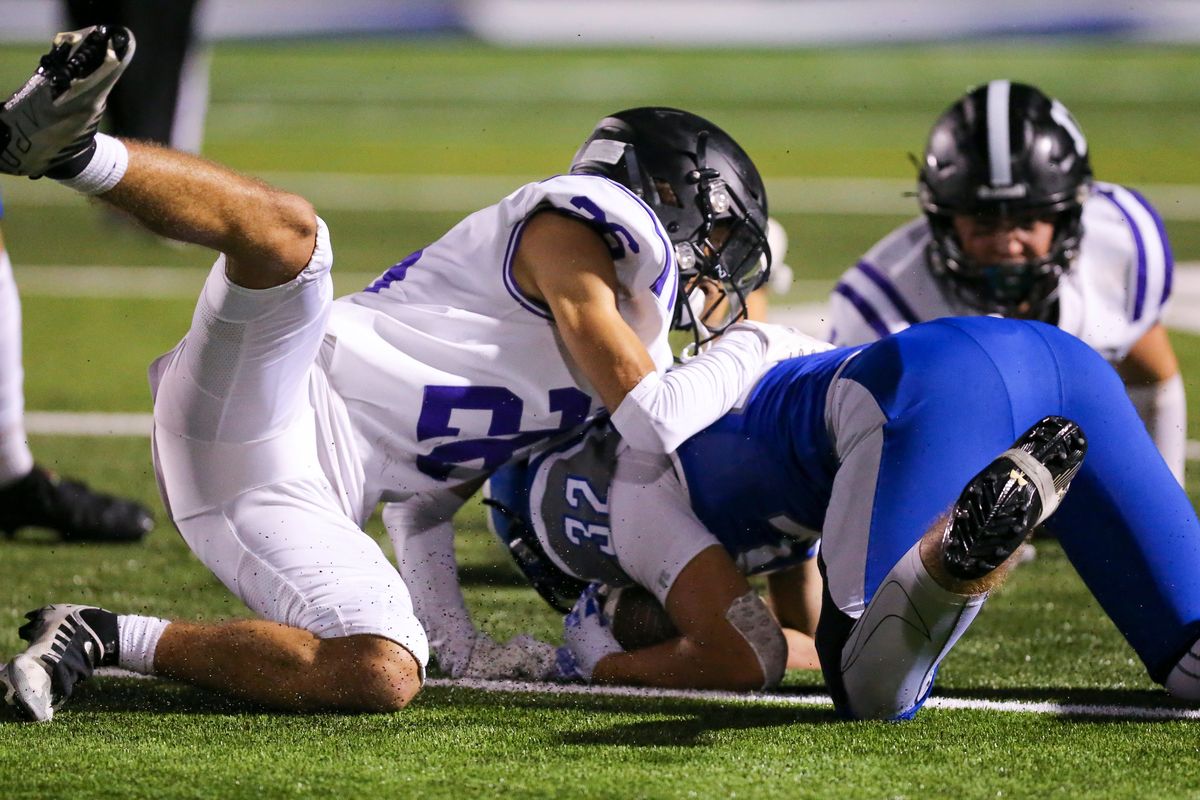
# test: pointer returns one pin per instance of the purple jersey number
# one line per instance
(505, 436)
(612, 232)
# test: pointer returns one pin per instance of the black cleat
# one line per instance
(78, 513)
(66, 643)
(1012, 496)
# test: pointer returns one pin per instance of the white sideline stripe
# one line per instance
(1149, 713)
(98, 424)
(462, 193)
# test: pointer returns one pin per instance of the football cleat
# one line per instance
(66, 643)
(49, 125)
(1013, 495)
(77, 512)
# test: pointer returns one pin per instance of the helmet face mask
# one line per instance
(706, 192)
(1025, 288)
(1005, 151)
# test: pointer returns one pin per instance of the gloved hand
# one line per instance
(782, 341)
(588, 636)
(520, 658)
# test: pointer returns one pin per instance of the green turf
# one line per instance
(380, 107)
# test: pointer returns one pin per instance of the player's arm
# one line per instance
(422, 533)
(795, 599)
(728, 638)
(564, 263)
(1151, 375)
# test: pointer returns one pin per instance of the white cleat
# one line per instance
(53, 118)
(66, 643)
(27, 688)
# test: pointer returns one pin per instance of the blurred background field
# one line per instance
(395, 138)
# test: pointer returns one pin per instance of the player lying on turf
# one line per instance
(869, 448)
(1014, 225)
(282, 419)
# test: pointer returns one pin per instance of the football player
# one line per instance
(869, 448)
(283, 419)
(31, 495)
(1015, 225)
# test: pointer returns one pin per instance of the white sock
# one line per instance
(892, 653)
(104, 171)
(1184, 680)
(137, 639)
(15, 459)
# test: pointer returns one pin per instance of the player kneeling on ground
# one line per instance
(283, 419)
(922, 468)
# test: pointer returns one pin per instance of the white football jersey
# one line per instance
(1113, 293)
(447, 370)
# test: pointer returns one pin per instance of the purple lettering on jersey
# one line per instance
(506, 408)
(613, 233)
(864, 308)
(397, 272)
(889, 289)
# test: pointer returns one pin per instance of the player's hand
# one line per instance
(520, 658)
(782, 341)
(588, 636)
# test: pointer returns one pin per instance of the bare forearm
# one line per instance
(795, 595)
(681, 663)
(802, 650)
(267, 234)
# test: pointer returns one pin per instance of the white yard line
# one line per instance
(767, 698)
(1106, 711)
(459, 193)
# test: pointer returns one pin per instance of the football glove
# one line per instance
(520, 658)
(588, 636)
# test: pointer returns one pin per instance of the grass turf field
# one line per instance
(380, 108)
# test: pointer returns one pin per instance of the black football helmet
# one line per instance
(1005, 150)
(707, 194)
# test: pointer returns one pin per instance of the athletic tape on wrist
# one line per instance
(104, 171)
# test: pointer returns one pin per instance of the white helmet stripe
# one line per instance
(1060, 114)
(999, 150)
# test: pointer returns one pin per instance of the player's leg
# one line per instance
(15, 459)
(341, 633)
(909, 438)
(31, 495)
(1128, 528)
(48, 129)
(338, 631)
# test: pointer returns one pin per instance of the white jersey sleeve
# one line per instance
(448, 370)
(1121, 281)
(889, 289)
(637, 242)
